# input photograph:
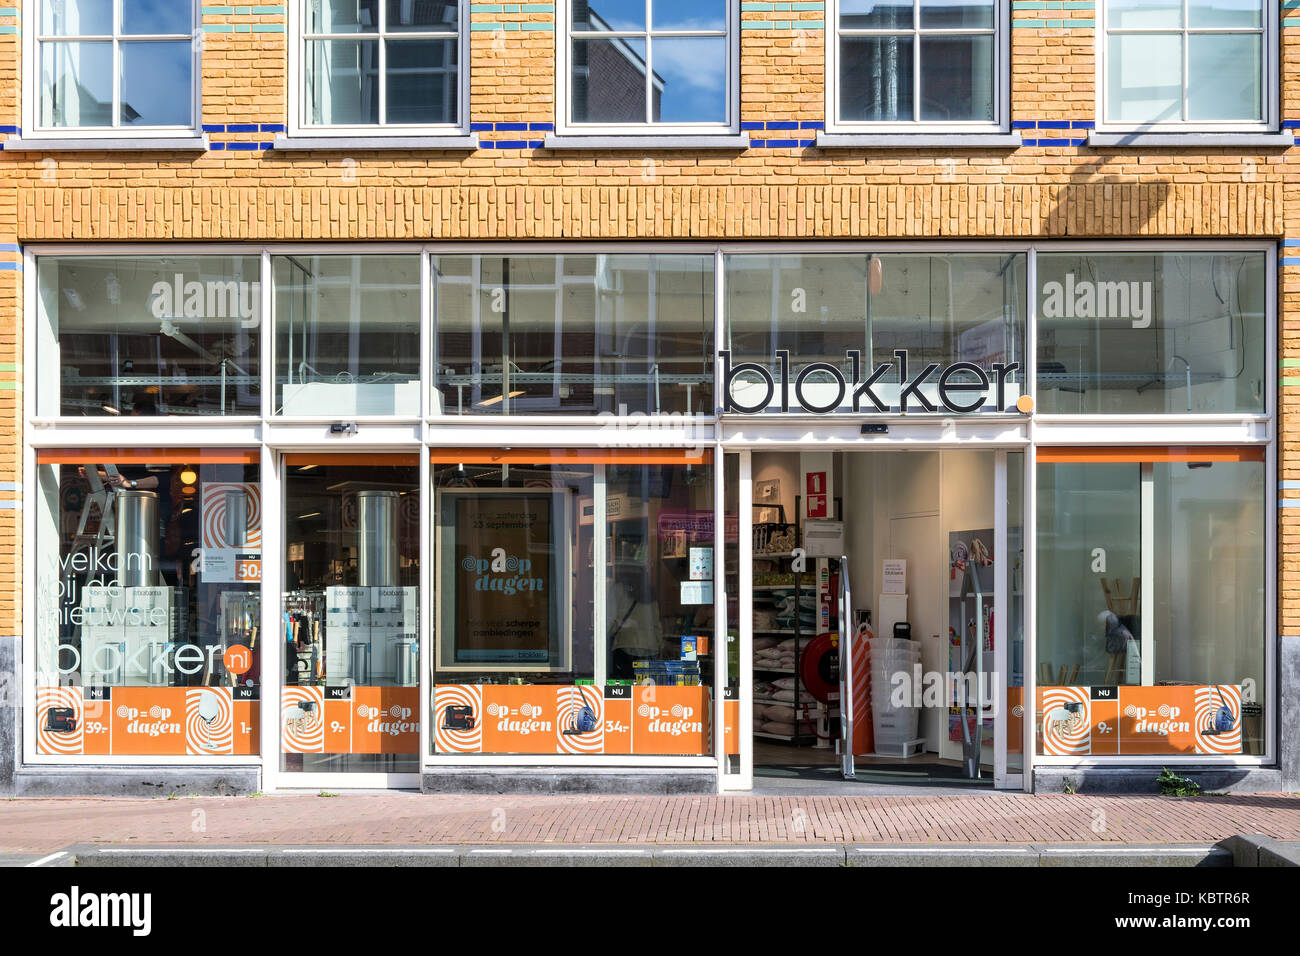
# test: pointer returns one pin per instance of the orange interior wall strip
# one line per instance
(575, 456)
(147, 456)
(1071, 454)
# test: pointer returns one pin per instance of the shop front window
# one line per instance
(1136, 333)
(840, 319)
(573, 334)
(147, 600)
(147, 336)
(350, 614)
(347, 335)
(575, 602)
(1152, 601)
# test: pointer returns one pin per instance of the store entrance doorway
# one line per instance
(916, 556)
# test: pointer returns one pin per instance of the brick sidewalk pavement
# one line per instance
(43, 825)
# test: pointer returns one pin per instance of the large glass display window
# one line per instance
(147, 602)
(1152, 601)
(574, 602)
(124, 336)
(349, 614)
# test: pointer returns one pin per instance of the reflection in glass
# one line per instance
(148, 335)
(609, 81)
(156, 83)
(573, 334)
(422, 83)
(347, 335)
(876, 79)
(957, 79)
(77, 84)
(1138, 333)
(1144, 78)
(342, 80)
(690, 80)
(1223, 77)
(608, 16)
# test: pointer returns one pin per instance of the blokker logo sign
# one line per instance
(822, 387)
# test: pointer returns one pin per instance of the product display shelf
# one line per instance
(818, 715)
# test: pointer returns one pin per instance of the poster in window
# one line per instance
(504, 579)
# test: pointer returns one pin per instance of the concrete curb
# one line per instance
(602, 855)
(1256, 849)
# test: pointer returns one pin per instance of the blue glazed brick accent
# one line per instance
(1083, 124)
(241, 127)
(271, 128)
(1053, 124)
(213, 127)
(480, 127)
(750, 124)
(1291, 124)
(541, 127)
(1023, 124)
(216, 145)
(812, 124)
(512, 127)
(782, 124)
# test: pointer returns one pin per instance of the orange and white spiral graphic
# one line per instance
(303, 728)
(1066, 733)
(53, 742)
(569, 702)
(1208, 701)
(214, 515)
(209, 721)
(446, 740)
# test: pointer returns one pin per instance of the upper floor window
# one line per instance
(381, 63)
(109, 64)
(1201, 63)
(661, 63)
(917, 62)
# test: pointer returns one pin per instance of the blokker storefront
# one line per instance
(655, 517)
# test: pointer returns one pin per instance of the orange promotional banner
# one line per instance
(338, 721)
(730, 732)
(1140, 721)
(385, 720)
(148, 720)
(519, 718)
(670, 720)
(247, 727)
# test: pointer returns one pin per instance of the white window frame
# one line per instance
(33, 39)
(1269, 82)
(1001, 76)
(297, 81)
(564, 126)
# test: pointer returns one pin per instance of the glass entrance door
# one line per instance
(348, 626)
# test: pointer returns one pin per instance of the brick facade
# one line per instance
(1052, 186)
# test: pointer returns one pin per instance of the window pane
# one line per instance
(428, 16)
(956, 78)
(350, 617)
(1133, 14)
(1144, 78)
(938, 308)
(1141, 334)
(608, 15)
(1224, 13)
(876, 79)
(525, 663)
(342, 87)
(1172, 651)
(146, 335)
(422, 86)
(70, 18)
(609, 84)
(347, 334)
(157, 16)
(343, 16)
(869, 15)
(141, 648)
(157, 86)
(690, 80)
(580, 333)
(77, 84)
(956, 14)
(689, 14)
(1224, 72)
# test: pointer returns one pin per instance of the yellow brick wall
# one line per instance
(763, 192)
